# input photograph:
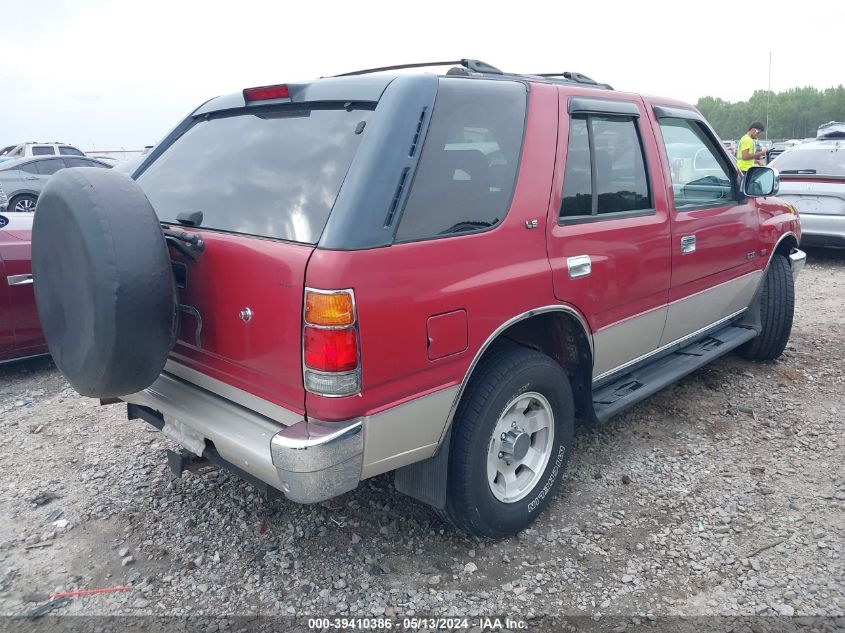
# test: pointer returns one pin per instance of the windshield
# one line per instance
(273, 172)
(826, 159)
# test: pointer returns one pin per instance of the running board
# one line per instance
(640, 383)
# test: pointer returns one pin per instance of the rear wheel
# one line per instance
(23, 203)
(511, 440)
(777, 306)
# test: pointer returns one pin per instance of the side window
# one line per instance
(50, 166)
(577, 178)
(43, 150)
(699, 177)
(467, 169)
(69, 151)
(82, 162)
(605, 168)
(29, 168)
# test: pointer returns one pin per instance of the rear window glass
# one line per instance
(273, 172)
(43, 150)
(828, 159)
(70, 151)
(468, 165)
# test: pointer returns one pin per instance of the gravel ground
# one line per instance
(722, 495)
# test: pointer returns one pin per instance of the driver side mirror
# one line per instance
(760, 182)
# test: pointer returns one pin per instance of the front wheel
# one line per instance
(777, 306)
(511, 440)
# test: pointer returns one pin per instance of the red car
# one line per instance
(20, 332)
(316, 283)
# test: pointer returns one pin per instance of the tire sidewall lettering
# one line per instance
(550, 482)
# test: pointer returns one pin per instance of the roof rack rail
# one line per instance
(573, 76)
(473, 65)
(468, 67)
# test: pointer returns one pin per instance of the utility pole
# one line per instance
(769, 95)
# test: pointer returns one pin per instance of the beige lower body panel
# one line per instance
(625, 341)
(693, 313)
(407, 433)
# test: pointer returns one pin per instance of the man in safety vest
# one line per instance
(746, 157)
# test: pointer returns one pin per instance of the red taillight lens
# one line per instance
(331, 350)
(264, 93)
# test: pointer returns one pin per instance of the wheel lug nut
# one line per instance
(501, 455)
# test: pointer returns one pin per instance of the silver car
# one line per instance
(813, 181)
(22, 180)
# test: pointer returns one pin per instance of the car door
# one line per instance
(44, 169)
(608, 233)
(714, 227)
(7, 330)
(15, 238)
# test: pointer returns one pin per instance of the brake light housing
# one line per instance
(331, 349)
(266, 93)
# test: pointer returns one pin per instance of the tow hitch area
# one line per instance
(185, 460)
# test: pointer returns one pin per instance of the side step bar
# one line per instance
(640, 383)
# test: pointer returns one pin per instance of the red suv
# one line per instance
(315, 283)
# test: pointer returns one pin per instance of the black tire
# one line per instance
(104, 286)
(501, 378)
(23, 200)
(777, 306)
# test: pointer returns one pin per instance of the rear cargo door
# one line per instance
(264, 180)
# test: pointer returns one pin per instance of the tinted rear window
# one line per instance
(827, 159)
(468, 164)
(70, 151)
(273, 172)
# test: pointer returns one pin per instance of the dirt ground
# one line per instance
(720, 496)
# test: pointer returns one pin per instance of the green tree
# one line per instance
(793, 113)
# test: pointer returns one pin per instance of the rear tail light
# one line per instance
(265, 93)
(331, 350)
(331, 353)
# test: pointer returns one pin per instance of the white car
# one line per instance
(813, 181)
(26, 150)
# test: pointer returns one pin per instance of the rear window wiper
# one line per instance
(798, 171)
(187, 244)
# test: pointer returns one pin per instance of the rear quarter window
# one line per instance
(468, 166)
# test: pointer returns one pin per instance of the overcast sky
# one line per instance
(110, 74)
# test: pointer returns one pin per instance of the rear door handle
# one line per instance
(687, 244)
(579, 266)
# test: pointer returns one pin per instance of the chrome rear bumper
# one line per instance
(308, 461)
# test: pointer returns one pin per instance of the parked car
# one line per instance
(20, 331)
(320, 282)
(26, 150)
(813, 180)
(22, 180)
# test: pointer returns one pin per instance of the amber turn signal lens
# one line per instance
(329, 309)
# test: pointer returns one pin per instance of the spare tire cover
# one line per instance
(104, 286)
